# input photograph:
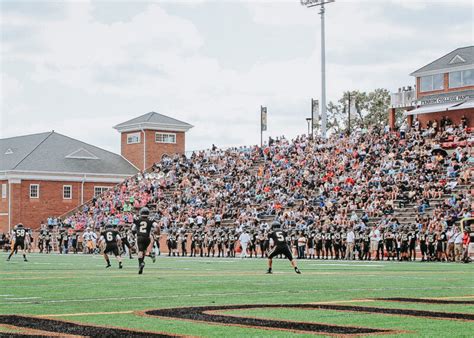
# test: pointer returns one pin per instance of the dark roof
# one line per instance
(155, 118)
(54, 152)
(18, 148)
(458, 57)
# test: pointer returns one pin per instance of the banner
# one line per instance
(315, 113)
(263, 113)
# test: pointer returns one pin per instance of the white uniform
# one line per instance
(244, 241)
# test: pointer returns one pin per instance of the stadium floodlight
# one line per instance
(321, 3)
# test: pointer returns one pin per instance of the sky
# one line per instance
(81, 67)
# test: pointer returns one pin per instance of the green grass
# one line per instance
(80, 285)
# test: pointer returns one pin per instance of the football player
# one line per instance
(112, 240)
(19, 238)
(126, 246)
(144, 227)
(280, 247)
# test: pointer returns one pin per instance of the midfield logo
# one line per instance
(216, 315)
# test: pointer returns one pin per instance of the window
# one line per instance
(432, 82)
(461, 78)
(455, 79)
(468, 77)
(4, 191)
(67, 192)
(165, 138)
(34, 190)
(99, 190)
(133, 138)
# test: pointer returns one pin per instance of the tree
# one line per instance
(371, 109)
(379, 101)
(335, 118)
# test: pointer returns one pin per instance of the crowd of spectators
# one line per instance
(358, 182)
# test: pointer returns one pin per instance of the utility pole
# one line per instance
(321, 3)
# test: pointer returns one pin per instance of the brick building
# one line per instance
(444, 87)
(49, 174)
(145, 139)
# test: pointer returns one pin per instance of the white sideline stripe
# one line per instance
(241, 294)
(6, 295)
(21, 298)
(346, 264)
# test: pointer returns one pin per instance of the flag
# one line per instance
(263, 113)
(315, 113)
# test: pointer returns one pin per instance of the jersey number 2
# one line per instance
(143, 227)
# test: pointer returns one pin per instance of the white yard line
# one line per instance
(238, 294)
(346, 264)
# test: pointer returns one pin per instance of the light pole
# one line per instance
(309, 4)
(310, 122)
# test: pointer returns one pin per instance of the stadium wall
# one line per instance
(453, 115)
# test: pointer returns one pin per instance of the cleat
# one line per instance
(140, 268)
(120, 266)
(298, 271)
(269, 271)
(153, 258)
(108, 266)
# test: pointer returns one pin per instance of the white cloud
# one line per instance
(154, 61)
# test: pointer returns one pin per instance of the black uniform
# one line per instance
(143, 228)
(280, 245)
(111, 246)
(20, 235)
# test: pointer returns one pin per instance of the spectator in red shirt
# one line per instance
(466, 240)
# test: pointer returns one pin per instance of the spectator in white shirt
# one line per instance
(244, 241)
(350, 244)
(457, 244)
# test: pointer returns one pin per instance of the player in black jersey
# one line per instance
(422, 240)
(19, 237)
(194, 241)
(126, 246)
(112, 240)
(431, 239)
(389, 244)
(41, 238)
(231, 245)
(143, 227)
(280, 247)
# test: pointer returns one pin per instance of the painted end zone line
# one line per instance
(129, 312)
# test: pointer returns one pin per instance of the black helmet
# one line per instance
(144, 212)
(276, 225)
(20, 225)
(109, 226)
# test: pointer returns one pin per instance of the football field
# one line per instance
(217, 297)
